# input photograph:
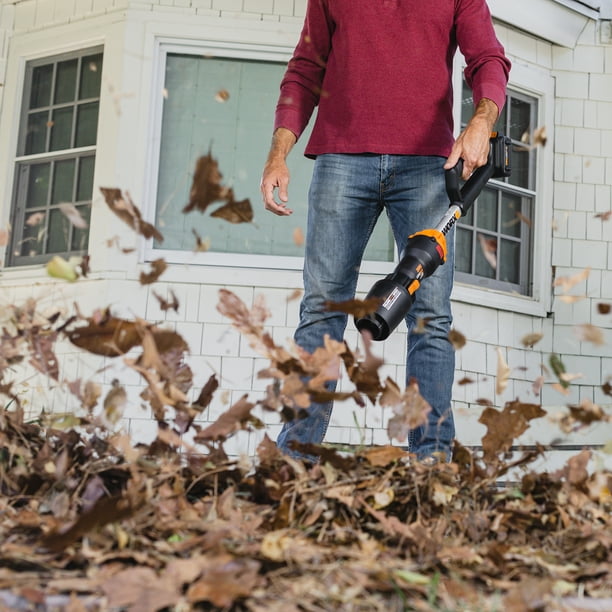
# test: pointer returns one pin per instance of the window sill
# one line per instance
(499, 300)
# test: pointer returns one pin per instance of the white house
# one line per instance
(129, 93)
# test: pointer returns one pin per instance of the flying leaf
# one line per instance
(410, 409)
(58, 267)
(571, 299)
(568, 282)
(364, 374)
(206, 394)
(128, 212)
(489, 249)
(605, 216)
(235, 212)
(171, 304)
(110, 336)
(558, 367)
(503, 427)
(603, 308)
(298, 236)
(222, 95)
(115, 402)
(531, 339)
(355, 307)
(590, 333)
(4, 236)
(35, 219)
(71, 212)
(158, 267)
(206, 187)
(236, 418)
(296, 294)
(457, 339)
(503, 373)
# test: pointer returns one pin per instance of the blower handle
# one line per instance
(498, 165)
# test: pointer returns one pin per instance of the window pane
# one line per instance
(486, 210)
(61, 130)
(80, 236)
(510, 261)
(520, 118)
(87, 124)
(42, 77)
(511, 214)
(463, 250)
(486, 245)
(520, 168)
(59, 227)
(63, 181)
(38, 185)
(91, 74)
(85, 182)
(36, 135)
(65, 83)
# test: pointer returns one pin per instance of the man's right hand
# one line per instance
(276, 174)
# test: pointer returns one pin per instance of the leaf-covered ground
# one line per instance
(88, 521)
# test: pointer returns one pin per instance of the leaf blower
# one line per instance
(426, 250)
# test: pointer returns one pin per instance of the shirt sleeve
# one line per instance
(487, 67)
(302, 84)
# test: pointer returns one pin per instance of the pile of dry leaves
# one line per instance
(89, 521)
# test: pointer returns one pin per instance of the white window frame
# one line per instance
(540, 85)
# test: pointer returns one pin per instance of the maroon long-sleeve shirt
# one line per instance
(380, 72)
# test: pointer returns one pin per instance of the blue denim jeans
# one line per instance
(347, 195)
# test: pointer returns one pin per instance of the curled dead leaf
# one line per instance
(123, 206)
(158, 267)
(235, 212)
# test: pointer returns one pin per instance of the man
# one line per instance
(380, 72)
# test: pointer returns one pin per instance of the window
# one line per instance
(494, 239)
(216, 100)
(56, 156)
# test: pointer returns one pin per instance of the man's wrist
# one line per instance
(486, 110)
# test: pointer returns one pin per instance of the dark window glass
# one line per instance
(85, 181)
(38, 185)
(42, 82)
(91, 75)
(87, 124)
(36, 134)
(59, 228)
(63, 181)
(65, 84)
